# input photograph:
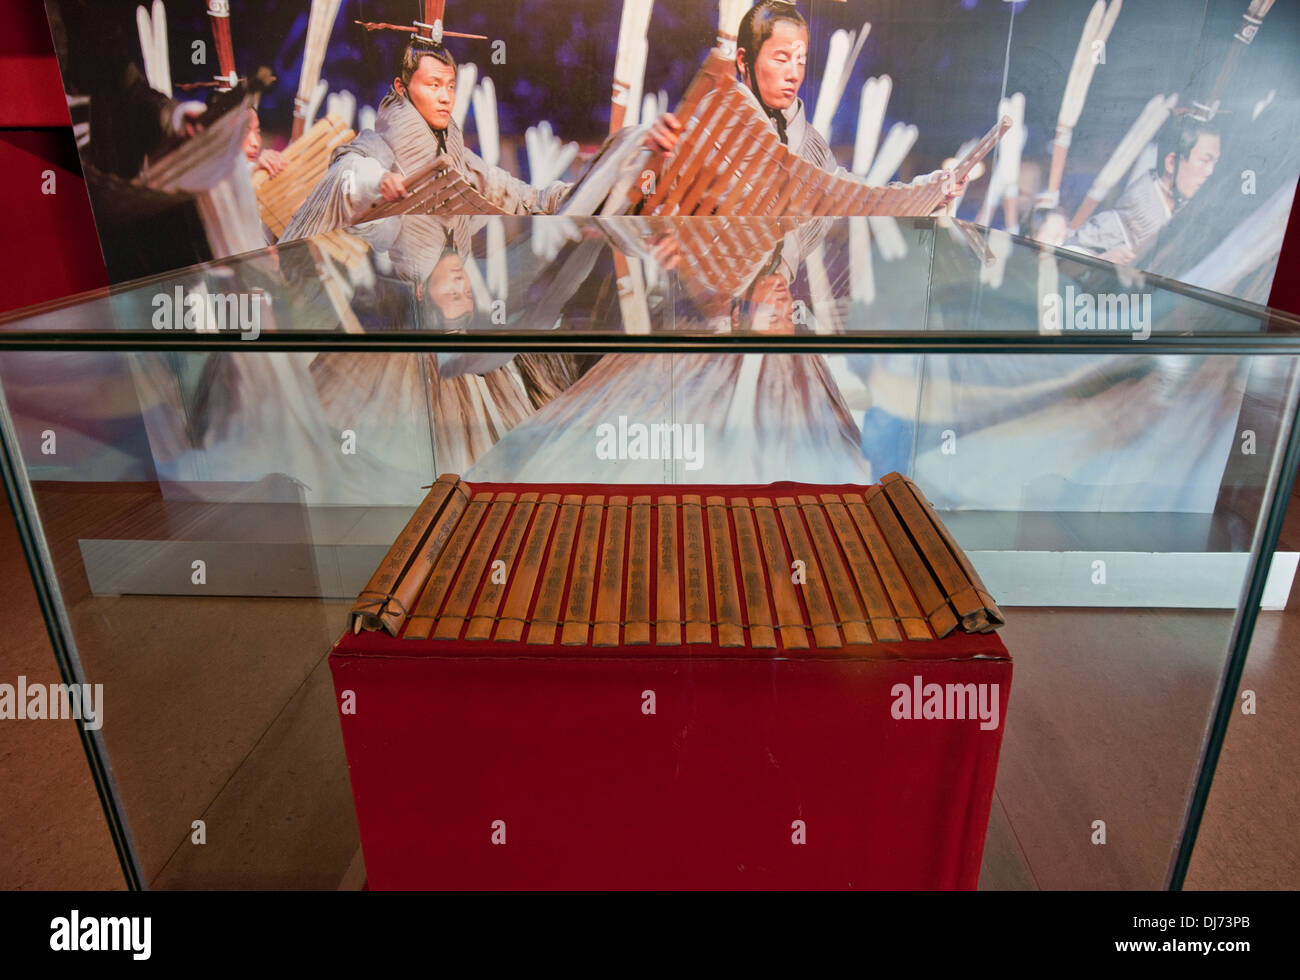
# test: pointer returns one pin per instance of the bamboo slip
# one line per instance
(811, 569)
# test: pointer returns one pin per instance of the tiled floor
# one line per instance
(215, 716)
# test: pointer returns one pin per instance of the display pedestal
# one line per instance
(704, 793)
(597, 753)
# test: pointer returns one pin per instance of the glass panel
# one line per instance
(803, 280)
(211, 515)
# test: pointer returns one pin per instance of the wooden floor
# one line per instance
(211, 716)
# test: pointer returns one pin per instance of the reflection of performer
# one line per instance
(764, 417)
(472, 399)
(413, 128)
(1188, 151)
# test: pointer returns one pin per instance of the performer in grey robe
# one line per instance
(1188, 152)
(771, 61)
(413, 128)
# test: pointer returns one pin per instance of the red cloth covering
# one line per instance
(456, 744)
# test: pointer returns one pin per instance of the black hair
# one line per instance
(430, 314)
(408, 59)
(1179, 135)
(756, 27)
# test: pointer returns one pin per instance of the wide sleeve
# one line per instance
(350, 184)
(511, 194)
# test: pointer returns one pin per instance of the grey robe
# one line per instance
(402, 140)
(1133, 223)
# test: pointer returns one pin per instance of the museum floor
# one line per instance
(246, 741)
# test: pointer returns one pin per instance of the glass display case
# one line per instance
(207, 467)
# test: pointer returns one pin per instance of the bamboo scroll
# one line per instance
(805, 568)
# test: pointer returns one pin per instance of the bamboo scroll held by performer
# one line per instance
(745, 146)
(415, 143)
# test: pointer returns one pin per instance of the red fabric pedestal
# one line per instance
(551, 751)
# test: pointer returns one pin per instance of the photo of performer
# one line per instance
(772, 47)
(414, 127)
(259, 156)
(1188, 150)
(771, 60)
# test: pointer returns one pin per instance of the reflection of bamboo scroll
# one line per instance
(320, 23)
(153, 45)
(629, 64)
(846, 47)
(871, 120)
(1142, 132)
(1095, 31)
(1251, 21)
(730, 14)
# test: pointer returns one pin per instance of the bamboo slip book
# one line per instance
(649, 687)
(785, 567)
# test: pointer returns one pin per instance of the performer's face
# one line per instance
(780, 65)
(432, 91)
(1198, 166)
(449, 290)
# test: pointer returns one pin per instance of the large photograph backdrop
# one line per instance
(938, 73)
